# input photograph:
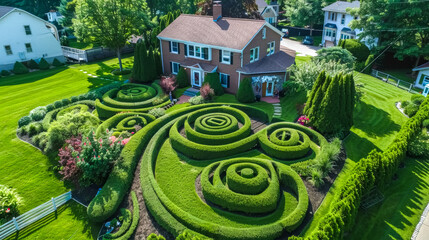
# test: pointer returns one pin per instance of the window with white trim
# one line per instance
(264, 33)
(226, 57)
(8, 50)
(330, 33)
(175, 67)
(343, 19)
(254, 54)
(223, 79)
(270, 48)
(174, 47)
(28, 47)
(198, 52)
(345, 36)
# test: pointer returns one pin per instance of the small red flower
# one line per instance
(8, 210)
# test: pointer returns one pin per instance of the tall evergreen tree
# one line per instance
(145, 72)
(314, 109)
(137, 63)
(328, 120)
(317, 84)
(158, 62)
(151, 66)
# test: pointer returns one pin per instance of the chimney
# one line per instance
(217, 10)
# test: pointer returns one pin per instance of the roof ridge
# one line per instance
(231, 18)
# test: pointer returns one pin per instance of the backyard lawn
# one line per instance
(24, 167)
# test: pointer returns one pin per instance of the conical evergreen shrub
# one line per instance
(137, 64)
(214, 81)
(43, 64)
(245, 92)
(182, 78)
(150, 65)
(57, 63)
(32, 64)
(19, 68)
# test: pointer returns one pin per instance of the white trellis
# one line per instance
(33, 215)
(259, 80)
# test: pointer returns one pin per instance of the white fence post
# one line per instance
(397, 84)
(53, 203)
(15, 223)
(411, 86)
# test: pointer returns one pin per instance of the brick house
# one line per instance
(235, 48)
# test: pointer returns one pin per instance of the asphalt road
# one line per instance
(301, 49)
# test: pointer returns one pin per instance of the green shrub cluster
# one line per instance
(331, 103)
(57, 63)
(126, 223)
(10, 201)
(411, 108)
(5, 73)
(359, 50)
(144, 69)
(377, 169)
(214, 81)
(24, 121)
(336, 54)
(32, 64)
(19, 68)
(182, 78)
(130, 98)
(245, 92)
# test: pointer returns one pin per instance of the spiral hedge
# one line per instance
(131, 98)
(125, 122)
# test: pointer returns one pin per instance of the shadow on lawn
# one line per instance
(80, 214)
(360, 149)
(30, 77)
(374, 121)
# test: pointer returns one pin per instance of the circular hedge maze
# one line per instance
(131, 98)
(218, 171)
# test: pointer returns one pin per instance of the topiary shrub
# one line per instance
(213, 80)
(58, 104)
(426, 123)
(411, 110)
(245, 92)
(195, 100)
(5, 73)
(57, 63)
(38, 113)
(157, 112)
(19, 68)
(43, 64)
(182, 78)
(24, 121)
(65, 101)
(336, 54)
(359, 50)
(32, 64)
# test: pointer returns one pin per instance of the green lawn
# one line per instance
(290, 103)
(397, 216)
(23, 167)
(377, 121)
(74, 43)
(229, 98)
(403, 74)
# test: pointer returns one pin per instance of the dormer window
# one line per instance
(264, 33)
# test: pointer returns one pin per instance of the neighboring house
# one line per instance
(336, 24)
(423, 75)
(54, 16)
(25, 36)
(269, 12)
(235, 48)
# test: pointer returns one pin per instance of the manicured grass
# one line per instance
(229, 98)
(403, 74)
(302, 59)
(70, 222)
(74, 43)
(290, 103)
(23, 167)
(377, 121)
(103, 69)
(397, 216)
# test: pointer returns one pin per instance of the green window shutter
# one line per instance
(169, 46)
(227, 82)
(232, 58)
(178, 48)
(220, 56)
(186, 49)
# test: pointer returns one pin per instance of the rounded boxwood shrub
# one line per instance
(65, 101)
(417, 99)
(411, 110)
(57, 63)
(20, 68)
(50, 107)
(58, 104)
(359, 50)
(74, 99)
(24, 121)
(38, 113)
(32, 64)
(245, 92)
(43, 64)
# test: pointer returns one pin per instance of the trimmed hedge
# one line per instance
(5, 73)
(113, 122)
(126, 223)
(245, 92)
(136, 218)
(19, 68)
(377, 169)
(43, 64)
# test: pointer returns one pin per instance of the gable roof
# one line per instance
(261, 3)
(229, 33)
(5, 10)
(421, 67)
(341, 6)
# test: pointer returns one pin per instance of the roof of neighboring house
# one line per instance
(230, 33)
(275, 63)
(5, 10)
(261, 3)
(341, 6)
(421, 67)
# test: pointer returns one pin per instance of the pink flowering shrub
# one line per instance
(304, 121)
(168, 84)
(88, 160)
(206, 92)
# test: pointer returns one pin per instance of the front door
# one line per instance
(196, 78)
(270, 89)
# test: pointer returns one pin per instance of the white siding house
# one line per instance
(336, 24)
(269, 12)
(24, 36)
(423, 77)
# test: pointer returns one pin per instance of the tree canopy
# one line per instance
(36, 7)
(110, 22)
(231, 8)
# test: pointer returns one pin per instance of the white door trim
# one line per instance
(200, 77)
(267, 94)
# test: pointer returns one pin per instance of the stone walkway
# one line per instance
(277, 110)
(422, 229)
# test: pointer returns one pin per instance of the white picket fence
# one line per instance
(385, 77)
(33, 215)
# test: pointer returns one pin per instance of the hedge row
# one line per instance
(112, 123)
(135, 221)
(263, 195)
(377, 169)
(52, 115)
(126, 223)
(105, 204)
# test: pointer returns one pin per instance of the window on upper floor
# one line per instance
(8, 50)
(174, 47)
(225, 57)
(27, 29)
(254, 54)
(343, 19)
(270, 48)
(333, 16)
(264, 33)
(175, 67)
(197, 52)
(28, 47)
(224, 80)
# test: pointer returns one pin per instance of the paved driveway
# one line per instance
(300, 48)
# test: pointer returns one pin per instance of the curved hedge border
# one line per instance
(112, 123)
(136, 218)
(52, 115)
(117, 100)
(126, 223)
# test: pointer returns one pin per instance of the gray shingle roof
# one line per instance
(261, 3)
(275, 63)
(341, 6)
(4, 10)
(233, 33)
